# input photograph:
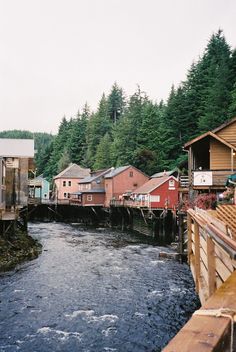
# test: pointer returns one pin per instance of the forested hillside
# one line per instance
(149, 135)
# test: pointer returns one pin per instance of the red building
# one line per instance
(158, 193)
(122, 180)
(92, 189)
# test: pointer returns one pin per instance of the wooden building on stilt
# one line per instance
(16, 159)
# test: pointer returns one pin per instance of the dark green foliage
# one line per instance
(116, 103)
(103, 153)
(98, 125)
(58, 149)
(218, 86)
(77, 136)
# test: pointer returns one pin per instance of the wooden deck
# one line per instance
(212, 258)
(8, 216)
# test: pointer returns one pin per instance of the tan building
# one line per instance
(212, 157)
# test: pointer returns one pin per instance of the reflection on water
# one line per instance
(93, 290)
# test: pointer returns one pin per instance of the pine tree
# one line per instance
(125, 134)
(59, 147)
(98, 125)
(115, 103)
(103, 153)
(77, 138)
(217, 91)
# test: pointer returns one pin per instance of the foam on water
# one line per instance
(63, 335)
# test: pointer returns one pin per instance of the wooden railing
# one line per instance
(212, 258)
(219, 177)
(184, 181)
(129, 203)
(211, 252)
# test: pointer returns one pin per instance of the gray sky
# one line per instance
(58, 54)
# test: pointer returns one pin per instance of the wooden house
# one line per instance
(16, 159)
(92, 189)
(2, 183)
(66, 182)
(122, 180)
(212, 157)
(39, 188)
(157, 193)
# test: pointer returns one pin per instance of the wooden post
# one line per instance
(197, 254)
(189, 227)
(190, 165)
(232, 160)
(211, 266)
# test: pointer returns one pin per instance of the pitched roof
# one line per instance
(73, 171)
(90, 178)
(225, 124)
(165, 173)
(116, 171)
(152, 184)
(211, 134)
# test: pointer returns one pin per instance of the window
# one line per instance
(155, 199)
(171, 184)
(65, 195)
(68, 195)
(131, 174)
(69, 183)
(89, 198)
(64, 183)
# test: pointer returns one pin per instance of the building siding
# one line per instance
(123, 183)
(97, 199)
(228, 133)
(60, 189)
(220, 156)
(168, 196)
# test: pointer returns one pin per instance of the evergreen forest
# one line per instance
(136, 130)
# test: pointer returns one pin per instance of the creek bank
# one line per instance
(17, 249)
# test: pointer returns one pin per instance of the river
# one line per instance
(93, 290)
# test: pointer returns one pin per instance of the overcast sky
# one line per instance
(58, 54)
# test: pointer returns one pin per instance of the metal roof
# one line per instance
(90, 179)
(73, 171)
(17, 148)
(164, 173)
(116, 171)
(152, 184)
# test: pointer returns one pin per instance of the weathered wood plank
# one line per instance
(224, 257)
(197, 254)
(222, 269)
(204, 333)
(211, 266)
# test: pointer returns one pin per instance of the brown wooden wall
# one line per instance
(220, 156)
(229, 134)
